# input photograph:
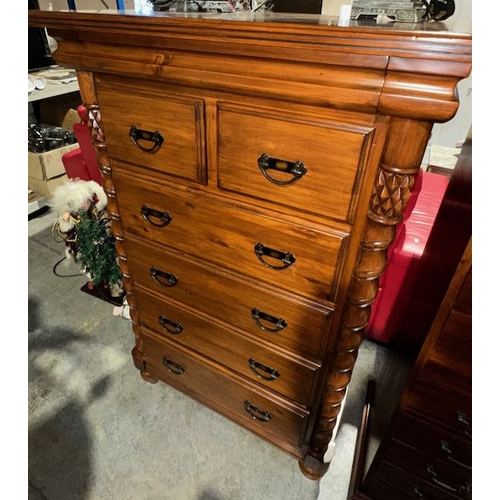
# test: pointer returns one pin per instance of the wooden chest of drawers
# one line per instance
(256, 167)
(427, 452)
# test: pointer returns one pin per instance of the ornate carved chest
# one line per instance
(256, 167)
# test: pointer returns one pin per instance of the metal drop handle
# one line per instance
(418, 492)
(256, 413)
(173, 367)
(137, 134)
(170, 326)
(297, 169)
(155, 217)
(163, 278)
(435, 479)
(279, 323)
(255, 365)
(445, 446)
(463, 419)
(287, 258)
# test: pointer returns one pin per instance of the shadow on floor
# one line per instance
(59, 443)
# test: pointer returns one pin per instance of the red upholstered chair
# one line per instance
(81, 163)
(396, 315)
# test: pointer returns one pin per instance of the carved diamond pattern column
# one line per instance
(391, 192)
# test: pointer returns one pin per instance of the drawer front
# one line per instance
(412, 485)
(434, 441)
(286, 321)
(450, 360)
(446, 408)
(303, 260)
(263, 365)
(448, 476)
(226, 392)
(169, 134)
(303, 165)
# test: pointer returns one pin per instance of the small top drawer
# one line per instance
(301, 164)
(157, 131)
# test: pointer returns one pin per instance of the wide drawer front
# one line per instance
(162, 132)
(450, 477)
(411, 485)
(271, 417)
(263, 365)
(433, 440)
(293, 257)
(446, 408)
(287, 321)
(306, 165)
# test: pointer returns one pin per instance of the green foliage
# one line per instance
(95, 246)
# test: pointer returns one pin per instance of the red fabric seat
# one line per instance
(395, 318)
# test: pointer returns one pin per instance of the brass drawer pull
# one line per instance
(163, 278)
(445, 446)
(464, 488)
(170, 326)
(137, 134)
(279, 323)
(173, 367)
(286, 258)
(163, 217)
(255, 365)
(256, 413)
(297, 169)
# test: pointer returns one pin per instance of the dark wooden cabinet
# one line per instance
(427, 450)
(256, 168)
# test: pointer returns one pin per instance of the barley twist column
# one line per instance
(89, 97)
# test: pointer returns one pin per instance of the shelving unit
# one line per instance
(36, 201)
(53, 90)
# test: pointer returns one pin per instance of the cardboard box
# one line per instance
(45, 166)
(46, 187)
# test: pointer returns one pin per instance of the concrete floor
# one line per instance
(98, 431)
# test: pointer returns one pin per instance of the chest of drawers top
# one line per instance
(295, 58)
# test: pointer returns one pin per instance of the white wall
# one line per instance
(332, 7)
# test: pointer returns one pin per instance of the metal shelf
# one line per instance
(37, 204)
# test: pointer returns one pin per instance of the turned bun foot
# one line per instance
(313, 469)
(148, 377)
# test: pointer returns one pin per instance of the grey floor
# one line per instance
(97, 431)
